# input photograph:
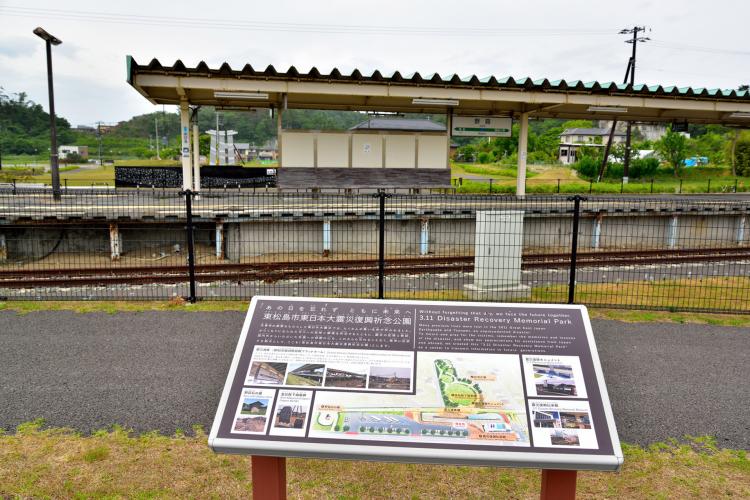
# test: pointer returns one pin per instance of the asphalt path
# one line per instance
(165, 370)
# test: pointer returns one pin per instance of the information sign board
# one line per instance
(418, 381)
(481, 126)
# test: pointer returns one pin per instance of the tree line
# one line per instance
(24, 130)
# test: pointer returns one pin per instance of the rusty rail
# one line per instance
(275, 271)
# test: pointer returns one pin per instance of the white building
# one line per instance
(574, 138)
(64, 151)
(649, 131)
(222, 150)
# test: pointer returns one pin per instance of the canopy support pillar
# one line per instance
(196, 153)
(187, 171)
(523, 141)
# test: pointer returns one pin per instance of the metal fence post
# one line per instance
(709, 185)
(574, 247)
(381, 243)
(190, 243)
(558, 186)
(490, 186)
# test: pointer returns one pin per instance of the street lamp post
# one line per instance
(49, 41)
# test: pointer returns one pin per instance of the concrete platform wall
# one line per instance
(35, 242)
(447, 236)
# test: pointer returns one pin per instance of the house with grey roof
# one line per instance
(574, 138)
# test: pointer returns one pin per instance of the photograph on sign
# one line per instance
(558, 376)
(481, 126)
(562, 423)
(253, 411)
(332, 368)
(417, 381)
(291, 414)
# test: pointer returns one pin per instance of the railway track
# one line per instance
(275, 271)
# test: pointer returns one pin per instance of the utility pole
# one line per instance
(99, 136)
(218, 138)
(156, 131)
(629, 78)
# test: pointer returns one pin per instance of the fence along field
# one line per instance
(677, 253)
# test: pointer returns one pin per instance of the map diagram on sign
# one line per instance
(460, 398)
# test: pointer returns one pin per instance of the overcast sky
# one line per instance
(694, 43)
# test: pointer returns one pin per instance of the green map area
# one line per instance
(461, 409)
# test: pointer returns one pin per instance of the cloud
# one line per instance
(16, 47)
(577, 39)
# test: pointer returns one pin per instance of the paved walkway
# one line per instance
(165, 371)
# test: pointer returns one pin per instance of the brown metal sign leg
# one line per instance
(558, 484)
(269, 478)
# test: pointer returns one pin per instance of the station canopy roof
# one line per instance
(248, 87)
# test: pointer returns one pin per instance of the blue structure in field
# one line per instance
(695, 161)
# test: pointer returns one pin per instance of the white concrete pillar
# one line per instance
(115, 241)
(326, 237)
(741, 222)
(220, 240)
(3, 248)
(523, 142)
(424, 237)
(672, 231)
(196, 154)
(596, 233)
(187, 172)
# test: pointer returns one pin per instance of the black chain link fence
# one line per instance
(666, 253)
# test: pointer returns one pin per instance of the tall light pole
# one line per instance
(49, 41)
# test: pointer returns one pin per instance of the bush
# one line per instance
(73, 158)
(484, 157)
(742, 156)
(643, 167)
(614, 171)
(587, 167)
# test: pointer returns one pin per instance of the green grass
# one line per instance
(69, 174)
(58, 463)
(556, 295)
(147, 163)
(717, 292)
(544, 180)
(293, 379)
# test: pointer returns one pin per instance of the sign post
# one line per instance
(508, 385)
(269, 477)
(558, 484)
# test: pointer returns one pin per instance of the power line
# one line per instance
(187, 22)
(697, 48)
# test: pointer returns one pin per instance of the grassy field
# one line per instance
(178, 305)
(546, 179)
(100, 176)
(72, 174)
(57, 463)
